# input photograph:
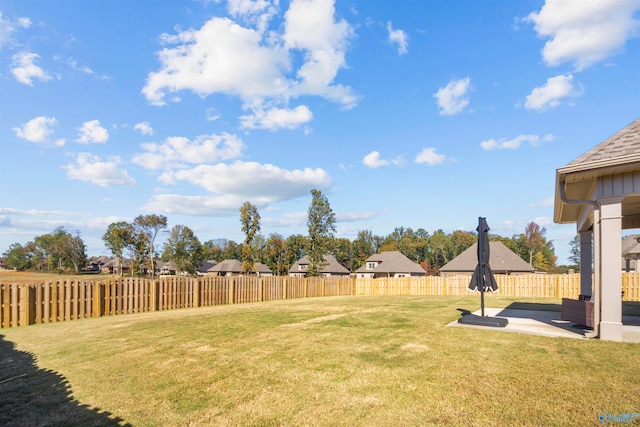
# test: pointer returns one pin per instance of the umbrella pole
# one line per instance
(482, 299)
(481, 261)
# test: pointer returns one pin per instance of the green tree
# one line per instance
(295, 248)
(73, 249)
(341, 250)
(149, 226)
(214, 249)
(183, 249)
(461, 241)
(574, 251)
(441, 249)
(275, 254)
(321, 224)
(62, 250)
(250, 220)
(232, 250)
(118, 237)
(534, 239)
(362, 248)
(18, 257)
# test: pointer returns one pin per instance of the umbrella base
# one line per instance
(473, 319)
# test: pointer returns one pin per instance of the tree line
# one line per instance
(62, 251)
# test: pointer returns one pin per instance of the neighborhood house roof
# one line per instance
(502, 260)
(391, 262)
(235, 266)
(631, 246)
(332, 266)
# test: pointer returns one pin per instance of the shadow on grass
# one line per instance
(32, 396)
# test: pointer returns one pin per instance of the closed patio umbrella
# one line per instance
(483, 280)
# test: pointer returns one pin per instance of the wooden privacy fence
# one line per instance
(68, 299)
(530, 285)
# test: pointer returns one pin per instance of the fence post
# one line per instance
(14, 304)
(97, 297)
(27, 302)
(154, 296)
(196, 292)
(231, 290)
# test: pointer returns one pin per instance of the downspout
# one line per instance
(596, 296)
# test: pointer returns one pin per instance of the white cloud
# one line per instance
(36, 129)
(7, 27)
(176, 151)
(430, 157)
(86, 70)
(342, 217)
(24, 22)
(374, 161)
(220, 57)
(178, 204)
(584, 32)
(549, 201)
(310, 26)
(277, 118)
(550, 95)
(287, 219)
(252, 180)
(144, 128)
(24, 69)
(211, 115)
(513, 144)
(399, 38)
(33, 212)
(256, 66)
(452, 98)
(91, 131)
(89, 168)
(254, 12)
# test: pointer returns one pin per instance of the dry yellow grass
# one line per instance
(328, 361)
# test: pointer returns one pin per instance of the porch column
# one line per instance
(586, 256)
(610, 254)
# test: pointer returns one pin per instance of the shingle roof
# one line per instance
(631, 245)
(501, 259)
(235, 266)
(391, 262)
(206, 265)
(332, 266)
(624, 143)
(616, 156)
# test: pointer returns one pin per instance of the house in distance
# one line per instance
(332, 268)
(389, 264)
(502, 260)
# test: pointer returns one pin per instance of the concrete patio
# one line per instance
(548, 323)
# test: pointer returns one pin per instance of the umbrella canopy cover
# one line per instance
(483, 279)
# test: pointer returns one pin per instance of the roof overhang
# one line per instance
(576, 184)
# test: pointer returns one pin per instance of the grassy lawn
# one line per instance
(10, 276)
(317, 361)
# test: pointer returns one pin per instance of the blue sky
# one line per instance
(422, 114)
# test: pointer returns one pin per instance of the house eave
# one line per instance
(579, 181)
